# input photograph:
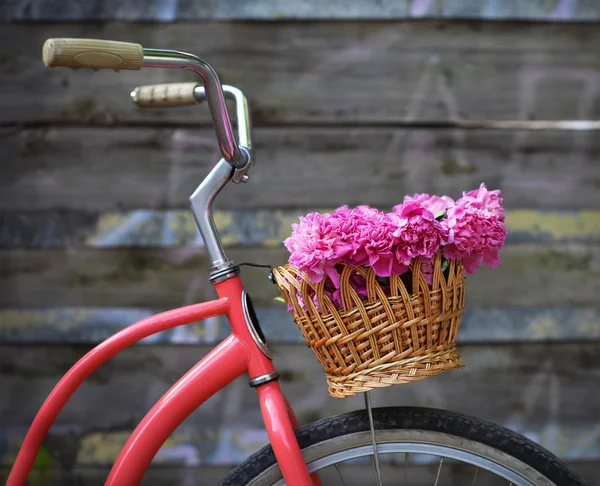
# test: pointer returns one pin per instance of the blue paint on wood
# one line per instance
(170, 10)
(92, 325)
(219, 446)
(174, 228)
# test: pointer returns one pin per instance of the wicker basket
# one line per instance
(389, 339)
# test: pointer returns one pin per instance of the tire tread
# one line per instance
(419, 418)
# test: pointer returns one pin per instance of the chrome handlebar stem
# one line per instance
(237, 153)
(242, 111)
(201, 205)
(164, 58)
(244, 125)
(202, 199)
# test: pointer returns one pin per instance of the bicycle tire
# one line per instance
(339, 431)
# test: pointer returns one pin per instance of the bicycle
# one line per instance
(298, 456)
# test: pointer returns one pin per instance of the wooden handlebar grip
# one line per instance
(173, 94)
(92, 53)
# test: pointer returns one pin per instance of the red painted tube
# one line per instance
(90, 362)
(274, 406)
(294, 421)
(221, 366)
(281, 434)
(226, 362)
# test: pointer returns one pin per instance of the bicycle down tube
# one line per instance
(241, 352)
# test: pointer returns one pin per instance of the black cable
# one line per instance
(259, 265)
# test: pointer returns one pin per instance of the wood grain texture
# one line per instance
(531, 275)
(91, 325)
(354, 475)
(56, 474)
(325, 72)
(546, 391)
(238, 228)
(96, 170)
(267, 228)
(166, 10)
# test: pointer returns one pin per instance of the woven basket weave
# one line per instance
(389, 339)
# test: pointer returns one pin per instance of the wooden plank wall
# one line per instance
(94, 233)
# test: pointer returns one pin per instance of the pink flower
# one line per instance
(427, 270)
(435, 204)
(364, 220)
(475, 235)
(379, 246)
(366, 239)
(313, 298)
(417, 232)
(345, 222)
(313, 246)
(483, 199)
(357, 282)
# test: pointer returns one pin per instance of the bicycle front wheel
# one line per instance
(415, 446)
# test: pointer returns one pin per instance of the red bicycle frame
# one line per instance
(241, 352)
(237, 354)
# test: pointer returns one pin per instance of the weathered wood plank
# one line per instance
(268, 228)
(167, 10)
(55, 474)
(354, 475)
(325, 72)
(92, 325)
(530, 276)
(545, 391)
(86, 169)
(555, 11)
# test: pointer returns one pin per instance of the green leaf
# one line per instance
(440, 215)
(444, 265)
(279, 299)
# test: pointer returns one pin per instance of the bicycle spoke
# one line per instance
(475, 477)
(375, 456)
(437, 478)
(406, 469)
(337, 468)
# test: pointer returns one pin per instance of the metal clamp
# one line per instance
(223, 272)
(262, 379)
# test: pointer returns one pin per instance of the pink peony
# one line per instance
(427, 270)
(313, 246)
(472, 231)
(379, 246)
(366, 239)
(483, 199)
(435, 204)
(417, 232)
(346, 223)
(364, 220)
(357, 282)
(475, 235)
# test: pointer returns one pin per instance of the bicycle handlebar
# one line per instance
(103, 54)
(92, 53)
(171, 94)
(183, 94)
